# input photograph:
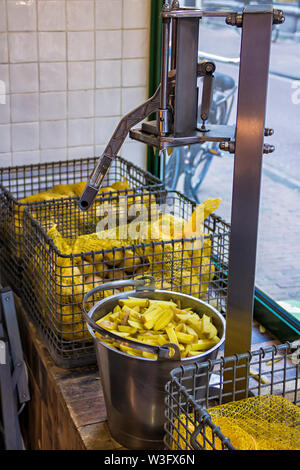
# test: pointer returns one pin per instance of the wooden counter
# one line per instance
(67, 409)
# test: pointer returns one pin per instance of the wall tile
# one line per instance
(52, 46)
(5, 160)
(81, 152)
(80, 75)
(135, 43)
(99, 149)
(104, 128)
(53, 106)
(26, 158)
(5, 110)
(108, 14)
(25, 136)
(23, 78)
(81, 103)
(81, 132)
(108, 44)
(21, 16)
(134, 72)
(25, 107)
(108, 73)
(53, 134)
(4, 82)
(63, 68)
(108, 102)
(52, 15)
(80, 15)
(136, 14)
(135, 152)
(22, 47)
(81, 45)
(132, 97)
(53, 76)
(5, 145)
(3, 48)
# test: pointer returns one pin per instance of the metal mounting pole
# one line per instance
(249, 140)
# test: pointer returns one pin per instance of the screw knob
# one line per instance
(269, 132)
(278, 17)
(268, 148)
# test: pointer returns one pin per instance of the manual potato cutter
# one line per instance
(175, 103)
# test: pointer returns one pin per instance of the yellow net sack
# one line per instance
(265, 422)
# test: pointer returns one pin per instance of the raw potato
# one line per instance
(116, 274)
(158, 322)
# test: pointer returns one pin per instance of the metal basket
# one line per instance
(270, 374)
(19, 182)
(54, 286)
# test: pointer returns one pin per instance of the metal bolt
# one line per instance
(278, 17)
(268, 132)
(210, 68)
(268, 148)
(227, 147)
(235, 19)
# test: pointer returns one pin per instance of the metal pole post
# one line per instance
(251, 109)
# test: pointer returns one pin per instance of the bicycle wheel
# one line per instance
(173, 168)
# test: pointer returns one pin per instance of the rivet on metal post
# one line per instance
(268, 132)
(278, 17)
(268, 148)
(227, 147)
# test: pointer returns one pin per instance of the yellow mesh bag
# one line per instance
(266, 422)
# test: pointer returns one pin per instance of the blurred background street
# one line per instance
(278, 256)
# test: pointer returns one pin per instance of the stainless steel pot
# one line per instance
(134, 387)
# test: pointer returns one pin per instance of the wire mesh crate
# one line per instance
(245, 402)
(17, 183)
(68, 252)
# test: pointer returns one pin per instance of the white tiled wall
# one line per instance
(69, 70)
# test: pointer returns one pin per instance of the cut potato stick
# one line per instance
(156, 323)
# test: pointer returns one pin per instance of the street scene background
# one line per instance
(278, 269)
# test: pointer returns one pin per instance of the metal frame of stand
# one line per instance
(176, 105)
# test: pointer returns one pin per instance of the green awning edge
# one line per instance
(153, 163)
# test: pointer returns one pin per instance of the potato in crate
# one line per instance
(160, 233)
(27, 185)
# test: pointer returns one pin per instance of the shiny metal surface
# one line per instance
(134, 387)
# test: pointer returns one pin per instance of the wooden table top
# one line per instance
(67, 408)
